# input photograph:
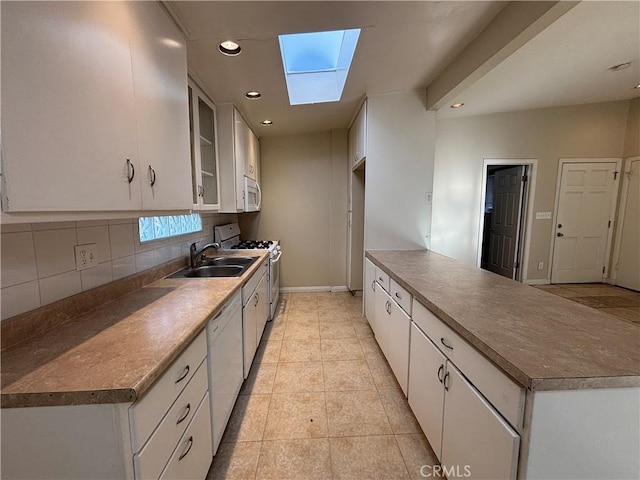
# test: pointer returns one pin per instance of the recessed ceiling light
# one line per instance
(457, 105)
(229, 48)
(253, 95)
(620, 66)
(266, 123)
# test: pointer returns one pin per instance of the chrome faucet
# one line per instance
(194, 253)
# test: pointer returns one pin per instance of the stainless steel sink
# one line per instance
(217, 267)
(242, 261)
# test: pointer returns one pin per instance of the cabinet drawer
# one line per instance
(383, 279)
(504, 394)
(146, 413)
(153, 457)
(401, 296)
(249, 287)
(193, 455)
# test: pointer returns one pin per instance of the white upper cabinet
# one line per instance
(159, 59)
(204, 150)
(93, 93)
(358, 137)
(239, 157)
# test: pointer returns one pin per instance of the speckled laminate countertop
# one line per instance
(542, 341)
(114, 353)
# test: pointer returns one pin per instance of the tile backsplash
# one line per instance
(38, 264)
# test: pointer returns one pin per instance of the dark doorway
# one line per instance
(503, 212)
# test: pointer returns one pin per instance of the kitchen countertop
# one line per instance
(114, 353)
(542, 341)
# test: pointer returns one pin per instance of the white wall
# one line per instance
(38, 259)
(399, 171)
(596, 130)
(304, 206)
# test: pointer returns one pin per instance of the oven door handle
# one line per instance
(277, 259)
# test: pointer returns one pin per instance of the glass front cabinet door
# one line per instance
(204, 150)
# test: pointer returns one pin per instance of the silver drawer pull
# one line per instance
(184, 375)
(373, 285)
(440, 370)
(446, 343)
(380, 278)
(188, 449)
(182, 419)
(398, 296)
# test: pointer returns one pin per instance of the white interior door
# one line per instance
(583, 220)
(628, 264)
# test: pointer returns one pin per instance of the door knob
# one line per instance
(559, 234)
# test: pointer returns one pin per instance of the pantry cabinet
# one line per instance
(358, 137)
(239, 159)
(255, 313)
(94, 108)
(204, 150)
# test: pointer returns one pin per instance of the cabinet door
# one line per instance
(159, 59)
(353, 142)
(249, 332)
(369, 291)
(262, 308)
(474, 434)
(204, 150)
(241, 141)
(398, 344)
(426, 394)
(383, 319)
(361, 123)
(68, 111)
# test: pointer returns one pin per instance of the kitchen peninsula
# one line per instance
(578, 369)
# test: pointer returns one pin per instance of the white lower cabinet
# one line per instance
(392, 330)
(426, 395)
(255, 313)
(466, 432)
(369, 291)
(192, 457)
(475, 438)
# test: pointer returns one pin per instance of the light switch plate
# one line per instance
(86, 256)
(543, 215)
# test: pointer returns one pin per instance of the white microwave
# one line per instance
(252, 195)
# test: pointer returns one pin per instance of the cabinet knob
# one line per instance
(559, 234)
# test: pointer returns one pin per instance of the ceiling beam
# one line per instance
(515, 25)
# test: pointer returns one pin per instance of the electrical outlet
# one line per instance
(86, 256)
(540, 265)
(428, 197)
(543, 215)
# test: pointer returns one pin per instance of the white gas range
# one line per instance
(228, 236)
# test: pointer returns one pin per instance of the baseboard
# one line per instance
(341, 288)
(539, 281)
(305, 289)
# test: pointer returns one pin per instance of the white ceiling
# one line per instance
(566, 64)
(403, 47)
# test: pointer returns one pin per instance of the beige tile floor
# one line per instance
(616, 301)
(321, 402)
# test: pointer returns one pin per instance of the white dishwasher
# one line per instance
(224, 353)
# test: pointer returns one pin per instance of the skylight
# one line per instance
(316, 64)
